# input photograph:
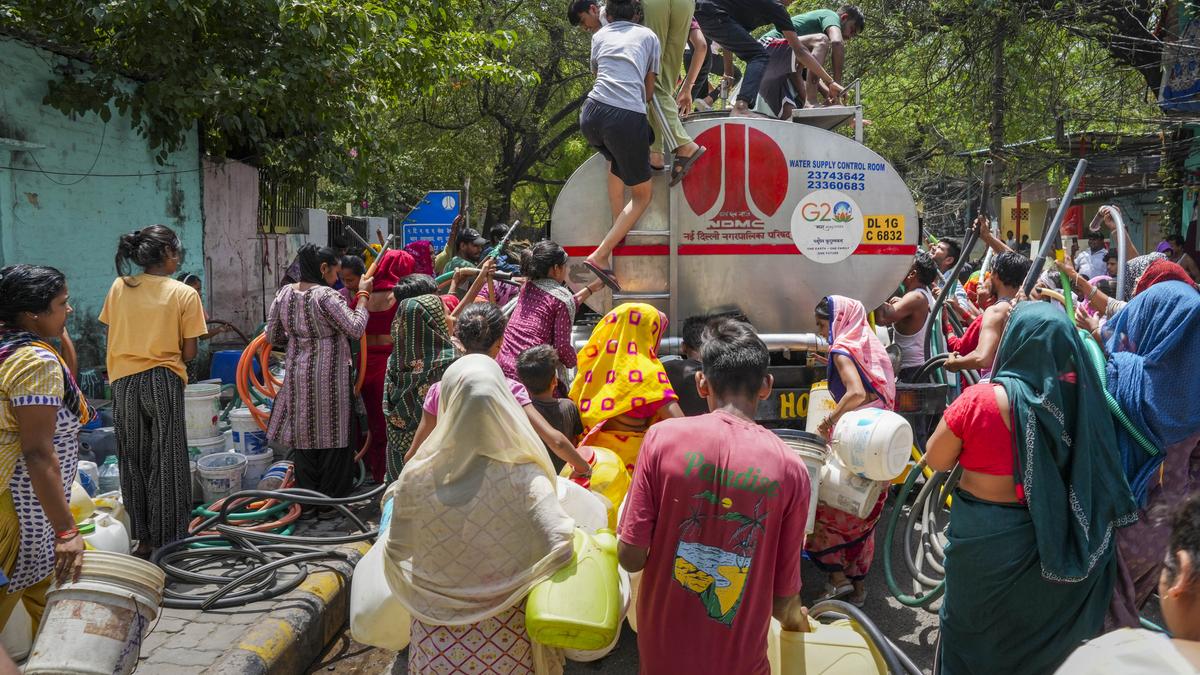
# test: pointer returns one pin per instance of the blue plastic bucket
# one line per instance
(224, 366)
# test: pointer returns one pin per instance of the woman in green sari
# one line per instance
(421, 352)
(1030, 562)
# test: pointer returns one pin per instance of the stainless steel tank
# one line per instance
(775, 216)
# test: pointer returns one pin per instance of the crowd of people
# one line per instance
(1075, 449)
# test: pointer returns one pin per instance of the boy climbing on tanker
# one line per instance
(625, 59)
(715, 519)
(824, 33)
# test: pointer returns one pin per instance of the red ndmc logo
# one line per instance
(743, 170)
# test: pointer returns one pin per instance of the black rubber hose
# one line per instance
(972, 237)
(929, 366)
(269, 570)
(858, 616)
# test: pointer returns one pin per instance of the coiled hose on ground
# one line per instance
(252, 559)
(924, 523)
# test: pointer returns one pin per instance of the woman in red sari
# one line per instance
(393, 266)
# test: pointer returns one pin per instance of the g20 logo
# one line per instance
(827, 212)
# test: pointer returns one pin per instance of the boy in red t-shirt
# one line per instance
(715, 517)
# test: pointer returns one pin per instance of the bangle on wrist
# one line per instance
(1092, 293)
(67, 535)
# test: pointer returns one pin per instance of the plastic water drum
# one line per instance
(201, 408)
(590, 514)
(589, 655)
(220, 474)
(224, 365)
(873, 443)
(812, 450)
(96, 625)
(579, 606)
(248, 437)
(257, 467)
(844, 490)
(820, 405)
(200, 447)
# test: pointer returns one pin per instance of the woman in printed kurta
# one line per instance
(421, 352)
(41, 410)
(311, 414)
(545, 309)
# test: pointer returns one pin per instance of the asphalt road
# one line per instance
(913, 630)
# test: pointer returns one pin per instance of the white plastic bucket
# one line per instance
(248, 438)
(220, 474)
(873, 443)
(256, 468)
(200, 447)
(96, 625)
(197, 491)
(814, 453)
(841, 489)
(820, 405)
(201, 408)
(590, 514)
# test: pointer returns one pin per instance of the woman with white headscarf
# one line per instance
(476, 524)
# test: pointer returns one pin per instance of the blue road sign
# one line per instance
(432, 217)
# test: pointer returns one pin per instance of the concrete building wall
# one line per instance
(107, 183)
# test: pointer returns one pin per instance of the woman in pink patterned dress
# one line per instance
(312, 411)
(545, 308)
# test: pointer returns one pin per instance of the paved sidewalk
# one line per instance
(274, 636)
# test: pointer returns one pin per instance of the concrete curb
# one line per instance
(290, 638)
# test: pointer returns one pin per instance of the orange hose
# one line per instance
(362, 341)
(245, 375)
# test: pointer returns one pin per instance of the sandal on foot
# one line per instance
(832, 593)
(606, 275)
(682, 165)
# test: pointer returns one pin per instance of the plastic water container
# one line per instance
(377, 618)
(201, 409)
(590, 514)
(273, 478)
(220, 474)
(200, 447)
(105, 533)
(17, 637)
(579, 606)
(837, 648)
(589, 655)
(92, 471)
(609, 477)
(844, 490)
(820, 405)
(248, 437)
(873, 443)
(110, 475)
(82, 506)
(814, 453)
(224, 365)
(256, 467)
(96, 626)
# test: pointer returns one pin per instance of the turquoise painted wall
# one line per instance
(72, 221)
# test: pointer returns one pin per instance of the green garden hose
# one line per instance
(936, 588)
(1098, 362)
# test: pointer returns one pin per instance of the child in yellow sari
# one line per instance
(621, 388)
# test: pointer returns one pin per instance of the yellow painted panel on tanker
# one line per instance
(883, 229)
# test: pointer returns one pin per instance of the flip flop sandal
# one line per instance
(681, 167)
(606, 275)
(832, 593)
(857, 602)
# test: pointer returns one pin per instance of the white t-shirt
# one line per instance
(623, 53)
(1091, 263)
(1127, 651)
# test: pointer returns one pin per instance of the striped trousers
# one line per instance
(156, 482)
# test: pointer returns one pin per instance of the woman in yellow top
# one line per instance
(153, 324)
(41, 410)
(621, 387)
